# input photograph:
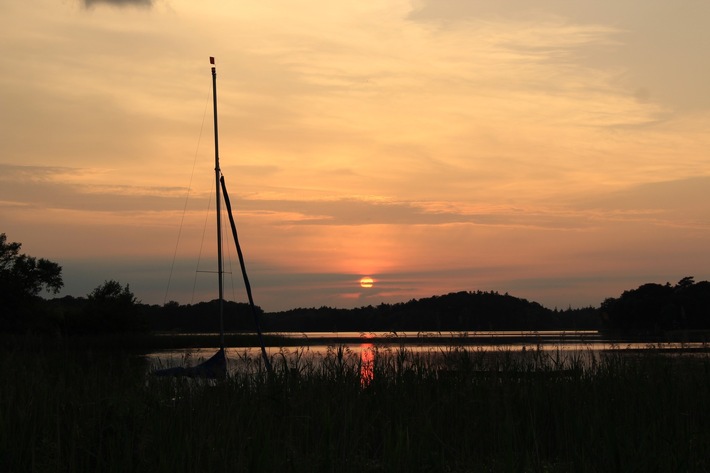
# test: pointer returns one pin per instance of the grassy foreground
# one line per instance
(68, 410)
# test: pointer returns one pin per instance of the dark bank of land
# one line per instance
(652, 310)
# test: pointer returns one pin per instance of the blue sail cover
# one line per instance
(214, 368)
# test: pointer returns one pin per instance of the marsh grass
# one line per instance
(456, 409)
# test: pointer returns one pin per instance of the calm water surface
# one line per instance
(309, 349)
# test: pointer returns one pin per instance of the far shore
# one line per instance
(686, 341)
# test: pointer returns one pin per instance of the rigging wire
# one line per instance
(202, 245)
(187, 198)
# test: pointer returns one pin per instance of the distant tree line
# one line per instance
(111, 307)
(202, 317)
(654, 309)
(455, 312)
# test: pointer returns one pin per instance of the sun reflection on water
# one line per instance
(367, 364)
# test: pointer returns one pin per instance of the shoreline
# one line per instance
(671, 342)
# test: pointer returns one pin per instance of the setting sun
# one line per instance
(366, 282)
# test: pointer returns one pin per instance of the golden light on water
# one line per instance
(367, 281)
(367, 363)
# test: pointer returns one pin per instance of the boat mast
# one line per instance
(217, 173)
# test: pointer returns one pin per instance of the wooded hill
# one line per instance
(454, 312)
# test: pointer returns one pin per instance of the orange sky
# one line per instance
(554, 151)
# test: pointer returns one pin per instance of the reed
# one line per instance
(456, 409)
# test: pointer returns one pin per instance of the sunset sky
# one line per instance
(558, 151)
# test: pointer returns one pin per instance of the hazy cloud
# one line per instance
(119, 3)
(58, 188)
(658, 48)
(680, 202)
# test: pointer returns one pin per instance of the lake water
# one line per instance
(300, 351)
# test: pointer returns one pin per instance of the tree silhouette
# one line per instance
(23, 276)
(659, 308)
(112, 293)
(113, 308)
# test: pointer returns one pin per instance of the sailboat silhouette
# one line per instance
(216, 366)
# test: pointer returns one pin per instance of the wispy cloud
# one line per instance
(664, 203)
(73, 189)
(118, 3)
(674, 74)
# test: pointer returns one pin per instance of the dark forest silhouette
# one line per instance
(650, 310)
(454, 312)
(659, 308)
